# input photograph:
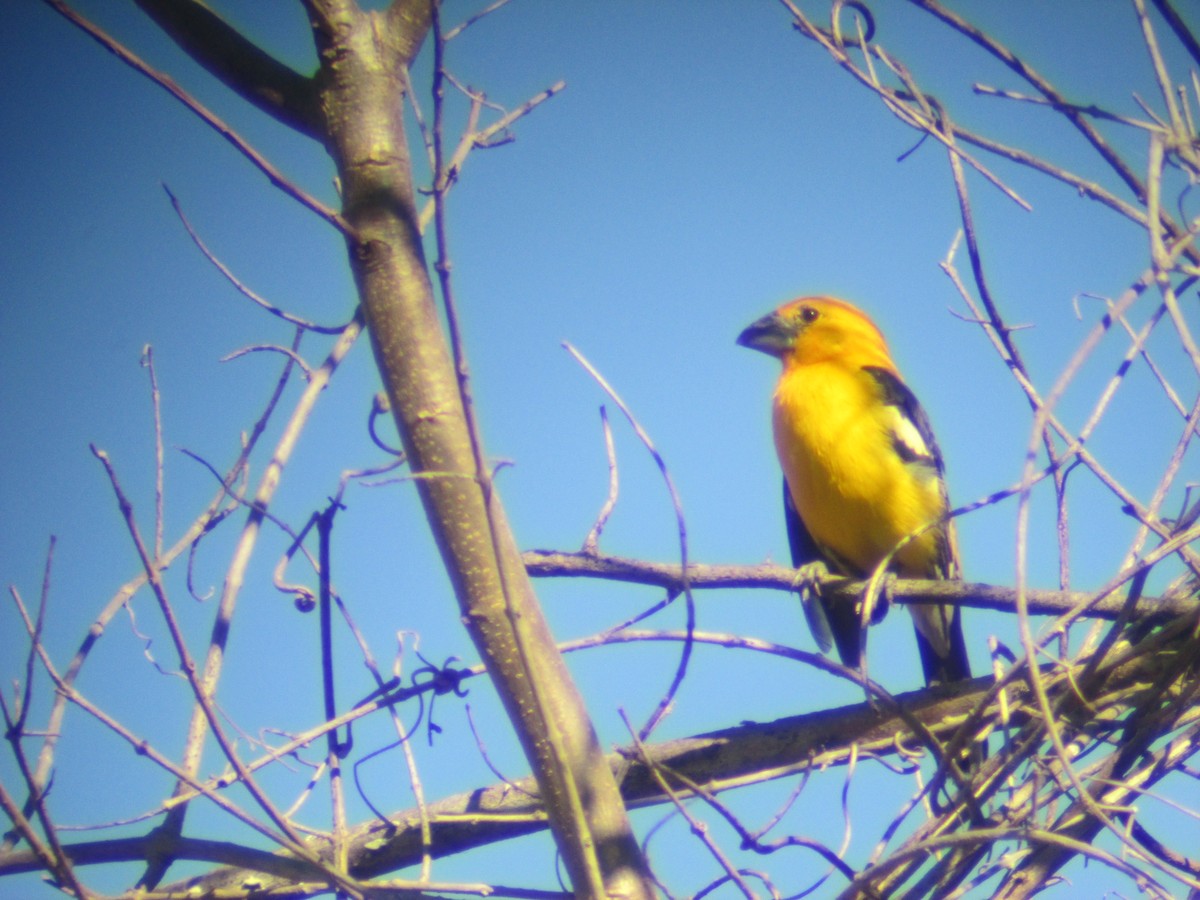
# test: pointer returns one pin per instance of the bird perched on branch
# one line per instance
(863, 476)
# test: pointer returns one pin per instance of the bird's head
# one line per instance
(818, 329)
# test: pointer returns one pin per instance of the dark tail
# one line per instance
(954, 666)
(949, 668)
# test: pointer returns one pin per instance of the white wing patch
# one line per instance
(907, 440)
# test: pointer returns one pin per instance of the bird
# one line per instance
(864, 480)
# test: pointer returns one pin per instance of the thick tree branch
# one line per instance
(364, 58)
(753, 753)
(241, 65)
(720, 760)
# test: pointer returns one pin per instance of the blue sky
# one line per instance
(704, 164)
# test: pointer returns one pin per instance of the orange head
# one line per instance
(818, 329)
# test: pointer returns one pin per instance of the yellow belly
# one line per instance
(855, 494)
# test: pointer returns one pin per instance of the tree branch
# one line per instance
(241, 65)
(363, 65)
(133, 61)
(720, 760)
(555, 564)
(1180, 27)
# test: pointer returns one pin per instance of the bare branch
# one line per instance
(591, 543)
(720, 760)
(701, 576)
(360, 94)
(1182, 32)
(1044, 87)
(211, 119)
(243, 551)
(681, 529)
(242, 288)
(241, 65)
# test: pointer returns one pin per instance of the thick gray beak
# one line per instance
(771, 334)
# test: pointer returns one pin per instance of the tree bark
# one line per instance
(363, 58)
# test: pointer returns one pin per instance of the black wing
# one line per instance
(920, 450)
(914, 442)
(830, 623)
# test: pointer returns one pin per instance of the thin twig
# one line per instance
(53, 857)
(700, 829)
(168, 84)
(664, 704)
(242, 553)
(144, 748)
(156, 406)
(1088, 110)
(591, 544)
(471, 20)
(1044, 87)
(287, 836)
(199, 526)
(272, 348)
(242, 288)
(923, 120)
(486, 138)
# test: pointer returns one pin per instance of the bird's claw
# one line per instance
(807, 583)
(808, 577)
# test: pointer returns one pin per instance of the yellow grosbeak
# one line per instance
(862, 472)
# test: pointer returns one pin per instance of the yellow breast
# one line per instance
(855, 494)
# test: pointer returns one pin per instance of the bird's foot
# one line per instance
(807, 583)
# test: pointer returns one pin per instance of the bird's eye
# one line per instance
(809, 314)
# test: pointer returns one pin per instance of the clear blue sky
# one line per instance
(704, 164)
